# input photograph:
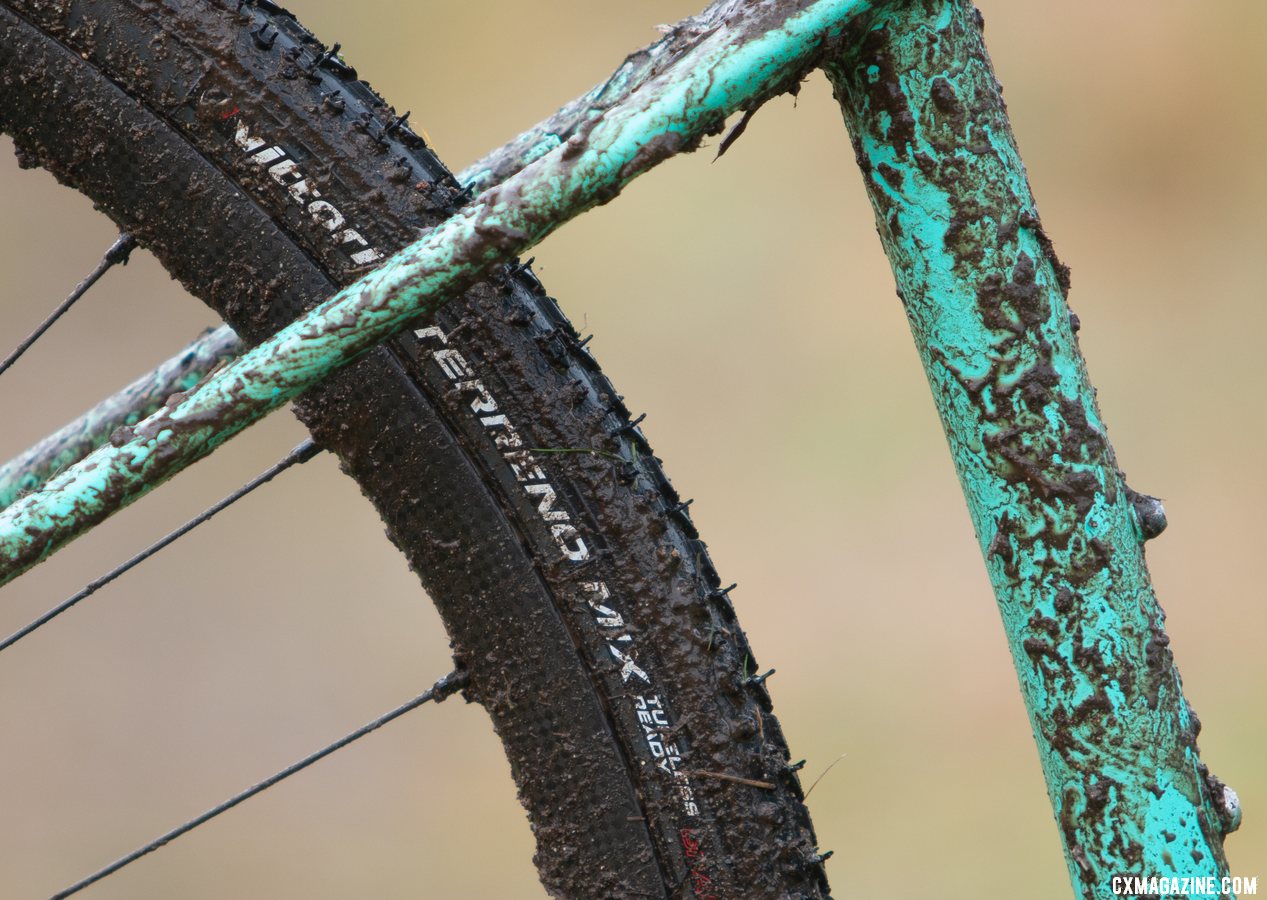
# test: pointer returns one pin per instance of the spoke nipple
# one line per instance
(305, 451)
(121, 249)
(449, 685)
(819, 858)
(796, 766)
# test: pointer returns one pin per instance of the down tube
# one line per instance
(1061, 533)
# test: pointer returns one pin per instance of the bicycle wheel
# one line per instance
(249, 158)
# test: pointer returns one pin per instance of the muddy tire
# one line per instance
(249, 158)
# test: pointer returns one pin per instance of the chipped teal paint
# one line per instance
(758, 54)
(141, 398)
(527, 149)
(1061, 533)
(637, 69)
(545, 136)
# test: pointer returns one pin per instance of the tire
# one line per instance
(576, 592)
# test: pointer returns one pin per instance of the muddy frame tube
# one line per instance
(1061, 533)
(143, 397)
(761, 50)
(32, 468)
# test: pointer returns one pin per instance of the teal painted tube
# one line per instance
(144, 396)
(760, 52)
(1061, 532)
(638, 68)
(72, 443)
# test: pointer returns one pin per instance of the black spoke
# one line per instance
(304, 452)
(440, 690)
(118, 253)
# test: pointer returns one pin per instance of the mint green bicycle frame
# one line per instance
(1061, 533)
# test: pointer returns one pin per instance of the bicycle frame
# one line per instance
(1061, 533)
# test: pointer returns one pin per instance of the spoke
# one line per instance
(301, 454)
(118, 253)
(439, 691)
(761, 52)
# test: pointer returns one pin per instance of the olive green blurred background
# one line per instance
(746, 306)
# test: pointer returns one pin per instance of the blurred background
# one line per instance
(290, 620)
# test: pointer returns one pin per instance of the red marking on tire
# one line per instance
(690, 844)
(701, 884)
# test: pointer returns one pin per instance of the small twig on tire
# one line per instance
(602, 453)
(722, 776)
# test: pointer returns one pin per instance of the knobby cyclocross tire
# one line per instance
(248, 157)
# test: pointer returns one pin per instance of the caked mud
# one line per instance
(577, 594)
